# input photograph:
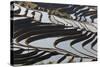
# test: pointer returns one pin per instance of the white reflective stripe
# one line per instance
(73, 16)
(91, 9)
(83, 25)
(82, 9)
(95, 20)
(88, 46)
(17, 18)
(16, 7)
(37, 16)
(53, 20)
(62, 45)
(95, 46)
(23, 11)
(79, 14)
(91, 28)
(71, 23)
(88, 19)
(45, 17)
(60, 20)
(29, 13)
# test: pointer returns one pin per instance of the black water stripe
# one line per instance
(26, 12)
(23, 60)
(40, 58)
(89, 13)
(68, 38)
(56, 27)
(41, 17)
(82, 11)
(37, 32)
(95, 59)
(93, 17)
(94, 43)
(89, 40)
(78, 8)
(61, 59)
(26, 55)
(17, 11)
(81, 39)
(85, 14)
(17, 51)
(70, 10)
(33, 13)
(23, 36)
(18, 24)
(70, 60)
(52, 34)
(84, 37)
